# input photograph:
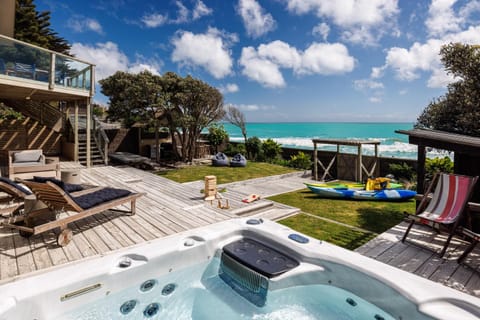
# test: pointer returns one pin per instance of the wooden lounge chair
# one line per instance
(15, 195)
(448, 203)
(83, 204)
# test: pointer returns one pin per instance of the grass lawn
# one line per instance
(337, 234)
(373, 216)
(225, 174)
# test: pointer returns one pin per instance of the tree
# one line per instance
(271, 149)
(34, 27)
(187, 105)
(135, 98)
(193, 106)
(216, 135)
(236, 117)
(458, 111)
(253, 147)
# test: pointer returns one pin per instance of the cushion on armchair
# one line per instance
(28, 156)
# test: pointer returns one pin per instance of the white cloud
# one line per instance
(260, 69)
(370, 87)
(280, 53)
(209, 51)
(409, 63)
(201, 10)
(255, 20)
(321, 30)
(229, 88)
(326, 59)
(367, 84)
(142, 63)
(363, 21)
(110, 59)
(377, 72)
(183, 14)
(107, 57)
(263, 65)
(470, 9)
(442, 18)
(82, 24)
(154, 20)
(253, 107)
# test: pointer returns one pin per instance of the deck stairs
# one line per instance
(95, 154)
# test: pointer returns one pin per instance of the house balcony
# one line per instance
(31, 72)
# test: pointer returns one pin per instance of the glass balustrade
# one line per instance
(21, 60)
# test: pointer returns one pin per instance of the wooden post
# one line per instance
(421, 155)
(359, 163)
(75, 133)
(315, 159)
(88, 129)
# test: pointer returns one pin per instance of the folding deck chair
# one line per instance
(475, 239)
(83, 204)
(447, 204)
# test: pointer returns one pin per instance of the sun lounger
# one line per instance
(15, 195)
(83, 204)
(447, 204)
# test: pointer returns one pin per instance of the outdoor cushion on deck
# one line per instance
(447, 204)
(92, 199)
(16, 193)
(17, 186)
(69, 187)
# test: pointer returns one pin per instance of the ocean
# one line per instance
(300, 135)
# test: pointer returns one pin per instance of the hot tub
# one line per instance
(238, 269)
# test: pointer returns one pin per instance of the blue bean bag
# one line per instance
(238, 160)
(220, 160)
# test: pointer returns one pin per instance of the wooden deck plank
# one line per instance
(8, 260)
(23, 252)
(170, 207)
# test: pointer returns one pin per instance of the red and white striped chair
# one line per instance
(446, 205)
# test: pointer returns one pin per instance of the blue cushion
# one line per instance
(68, 187)
(71, 187)
(59, 183)
(15, 185)
(90, 200)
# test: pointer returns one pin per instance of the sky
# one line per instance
(280, 60)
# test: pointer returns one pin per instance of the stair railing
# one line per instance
(101, 139)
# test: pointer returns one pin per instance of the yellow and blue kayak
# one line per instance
(360, 194)
(350, 185)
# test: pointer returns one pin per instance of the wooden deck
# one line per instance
(419, 256)
(169, 207)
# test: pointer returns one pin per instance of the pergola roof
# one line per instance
(443, 140)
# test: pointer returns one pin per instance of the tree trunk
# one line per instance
(157, 144)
